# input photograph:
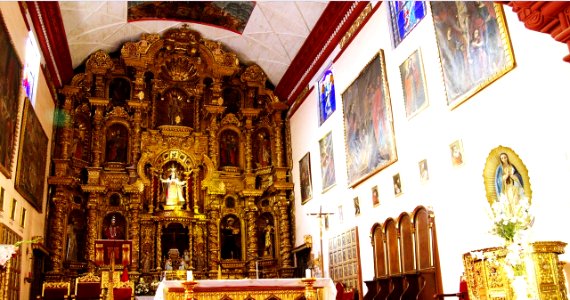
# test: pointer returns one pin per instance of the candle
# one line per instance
(308, 273)
(256, 271)
(189, 276)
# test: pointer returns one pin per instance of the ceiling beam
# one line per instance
(48, 27)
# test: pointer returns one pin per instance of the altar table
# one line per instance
(324, 286)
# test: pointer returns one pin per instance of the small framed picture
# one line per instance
(375, 197)
(397, 184)
(340, 217)
(456, 151)
(424, 174)
(356, 206)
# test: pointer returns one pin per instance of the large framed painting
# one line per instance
(404, 16)
(474, 46)
(32, 158)
(10, 74)
(368, 123)
(306, 184)
(327, 162)
(414, 84)
(327, 96)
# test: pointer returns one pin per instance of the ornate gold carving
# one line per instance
(254, 76)
(99, 63)
(231, 119)
(181, 68)
(355, 26)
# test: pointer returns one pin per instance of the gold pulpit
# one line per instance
(486, 273)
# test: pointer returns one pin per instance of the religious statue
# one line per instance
(231, 248)
(174, 188)
(113, 231)
(268, 246)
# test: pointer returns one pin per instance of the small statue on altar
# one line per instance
(182, 265)
(113, 231)
(174, 188)
(231, 245)
(168, 265)
(268, 248)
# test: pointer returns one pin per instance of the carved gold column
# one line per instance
(97, 147)
(98, 64)
(214, 112)
(60, 205)
(158, 237)
(250, 212)
(66, 137)
(213, 234)
(136, 134)
(249, 114)
(92, 213)
(134, 228)
(278, 107)
(284, 229)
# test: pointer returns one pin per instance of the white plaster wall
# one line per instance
(525, 110)
(44, 107)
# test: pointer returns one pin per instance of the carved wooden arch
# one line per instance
(407, 251)
(392, 251)
(423, 228)
(378, 246)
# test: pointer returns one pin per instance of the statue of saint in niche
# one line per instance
(174, 188)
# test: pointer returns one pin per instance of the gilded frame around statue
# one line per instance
(491, 169)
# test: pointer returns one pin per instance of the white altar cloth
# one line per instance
(326, 284)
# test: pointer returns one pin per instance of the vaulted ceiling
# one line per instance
(282, 37)
(289, 40)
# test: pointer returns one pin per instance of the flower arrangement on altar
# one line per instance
(511, 219)
(142, 287)
(7, 251)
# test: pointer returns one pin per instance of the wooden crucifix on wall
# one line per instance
(323, 217)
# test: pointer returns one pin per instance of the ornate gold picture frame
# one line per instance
(474, 46)
(32, 158)
(494, 169)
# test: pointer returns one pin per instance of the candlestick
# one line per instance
(256, 271)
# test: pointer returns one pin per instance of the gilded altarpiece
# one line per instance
(176, 146)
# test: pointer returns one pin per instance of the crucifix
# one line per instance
(321, 216)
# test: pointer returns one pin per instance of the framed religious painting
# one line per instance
(375, 196)
(456, 151)
(32, 158)
(397, 182)
(10, 86)
(506, 177)
(327, 162)
(424, 173)
(346, 265)
(327, 96)
(413, 84)
(305, 178)
(368, 124)
(474, 46)
(404, 16)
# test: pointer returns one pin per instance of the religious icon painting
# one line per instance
(375, 197)
(413, 84)
(340, 216)
(369, 132)
(404, 16)
(305, 178)
(397, 184)
(31, 158)
(456, 151)
(327, 96)
(356, 206)
(424, 174)
(327, 162)
(474, 46)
